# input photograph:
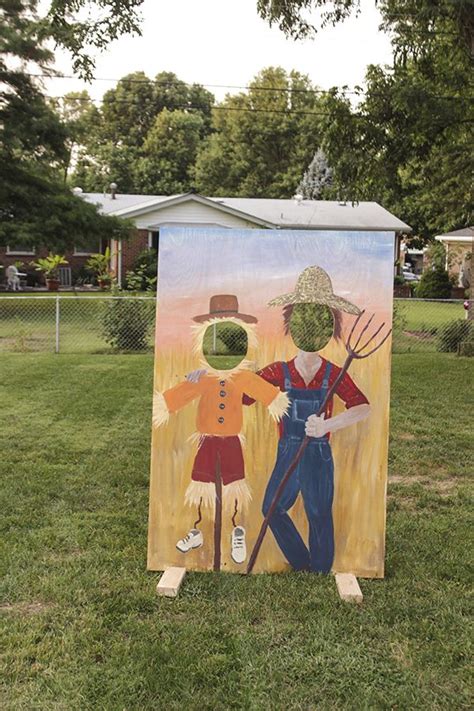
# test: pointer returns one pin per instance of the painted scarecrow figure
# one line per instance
(218, 475)
(312, 314)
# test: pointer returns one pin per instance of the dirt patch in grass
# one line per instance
(400, 652)
(25, 608)
(443, 487)
(407, 436)
(423, 335)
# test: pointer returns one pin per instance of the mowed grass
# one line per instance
(419, 322)
(421, 312)
(82, 625)
(28, 323)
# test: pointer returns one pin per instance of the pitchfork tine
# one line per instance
(374, 335)
(354, 327)
(366, 355)
(363, 331)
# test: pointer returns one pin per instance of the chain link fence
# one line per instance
(422, 325)
(76, 324)
(99, 324)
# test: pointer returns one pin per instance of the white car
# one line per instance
(409, 276)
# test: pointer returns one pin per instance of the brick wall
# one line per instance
(131, 248)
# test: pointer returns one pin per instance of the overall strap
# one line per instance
(286, 373)
(327, 375)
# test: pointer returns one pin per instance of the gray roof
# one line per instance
(121, 202)
(464, 232)
(290, 214)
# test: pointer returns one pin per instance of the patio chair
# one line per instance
(13, 278)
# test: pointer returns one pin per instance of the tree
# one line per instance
(128, 110)
(79, 25)
(407, 145)
(262, 139)
(415, 22)
(317, 178)
(80, 118)
(35, 204)
(169, 153)
(118, 140)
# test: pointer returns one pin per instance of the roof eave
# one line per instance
(351, 228)
(192, 197)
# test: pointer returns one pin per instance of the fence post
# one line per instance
(57, 324)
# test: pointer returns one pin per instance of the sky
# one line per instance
(257, 265)
(225, 42)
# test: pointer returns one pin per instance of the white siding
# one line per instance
(192, 213)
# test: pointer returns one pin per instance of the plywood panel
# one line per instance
(257, 266)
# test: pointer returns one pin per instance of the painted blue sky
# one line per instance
(258, 265)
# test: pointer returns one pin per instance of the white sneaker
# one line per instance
(238, 548)
(192, 540)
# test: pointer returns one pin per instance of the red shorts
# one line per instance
(229, 452)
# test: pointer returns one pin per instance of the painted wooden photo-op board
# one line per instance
(271, 400)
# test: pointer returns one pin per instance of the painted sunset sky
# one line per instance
(257, 265)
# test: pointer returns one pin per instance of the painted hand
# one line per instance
(316, 426)
(195, 376)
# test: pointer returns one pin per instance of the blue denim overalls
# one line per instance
(314, 477)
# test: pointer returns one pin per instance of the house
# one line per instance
(150, 213)
(459, 246)
(412, 257)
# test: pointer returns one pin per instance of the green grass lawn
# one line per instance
(83, 628)
(419, 323)
(419, 313)
(28, 324)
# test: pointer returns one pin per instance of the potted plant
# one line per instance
(50, 267)
(99, 264)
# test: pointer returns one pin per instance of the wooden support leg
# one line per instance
(218, 517)
(348, 587)
(170, 582)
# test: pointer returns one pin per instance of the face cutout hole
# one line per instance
(225, 345)
(311, 326)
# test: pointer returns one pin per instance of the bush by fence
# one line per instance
(76, 324)
(97, 324)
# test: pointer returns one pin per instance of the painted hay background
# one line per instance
(360, 454)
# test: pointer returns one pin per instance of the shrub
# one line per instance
(234, 339)
(143, 276)
(399, 322)
(127, 323)
(434, 284)
(453, 334)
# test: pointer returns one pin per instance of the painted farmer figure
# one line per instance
(312, 315)
(218, 475)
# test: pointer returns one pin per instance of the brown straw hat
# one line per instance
(224, 306)
(314, 287)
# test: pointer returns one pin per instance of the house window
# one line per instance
(20, 249)
(92, 246)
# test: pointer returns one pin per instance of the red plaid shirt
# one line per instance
(347, 390)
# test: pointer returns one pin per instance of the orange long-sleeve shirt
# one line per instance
(220, 404)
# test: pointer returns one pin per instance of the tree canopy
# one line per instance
(405, 140)
(35, 204)
(144, 136)
(407, 143)
(262, 139)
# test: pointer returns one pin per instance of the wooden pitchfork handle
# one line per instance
(292, 467)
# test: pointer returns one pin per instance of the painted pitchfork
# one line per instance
(355, 351)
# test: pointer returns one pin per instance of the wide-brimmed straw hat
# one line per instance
(224, 306)
(314, 287)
